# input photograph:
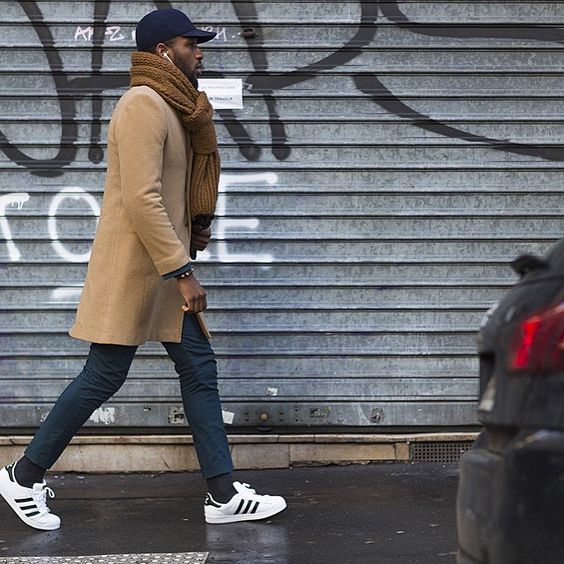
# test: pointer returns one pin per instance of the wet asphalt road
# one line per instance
(372, 514)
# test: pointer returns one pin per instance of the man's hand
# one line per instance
(200, 238)
(194, 294)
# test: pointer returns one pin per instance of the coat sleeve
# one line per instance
(140, 134)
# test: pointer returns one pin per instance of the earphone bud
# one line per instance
(165, 55)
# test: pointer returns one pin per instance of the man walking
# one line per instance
(159, 198)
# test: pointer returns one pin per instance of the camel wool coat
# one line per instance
(144, 228)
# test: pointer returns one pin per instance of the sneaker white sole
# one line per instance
(22, 515)
(220, 519)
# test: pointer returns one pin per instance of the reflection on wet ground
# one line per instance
(371, 514)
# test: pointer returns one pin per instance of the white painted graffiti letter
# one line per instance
(18, 199)
(76, 193)
(84, 33)
(223, 224)
(221, 32)
(114, 33)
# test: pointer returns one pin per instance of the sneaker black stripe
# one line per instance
(248, 506)
(23, 508)
(239, 508)
(24, 500)
(32, 514)
(254, 510)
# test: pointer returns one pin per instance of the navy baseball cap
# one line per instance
(162, 25)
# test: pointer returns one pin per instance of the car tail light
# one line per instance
(538, 343)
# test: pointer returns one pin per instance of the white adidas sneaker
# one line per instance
(29, 504)
(245, 505)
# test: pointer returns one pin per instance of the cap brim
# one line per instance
(201, 35)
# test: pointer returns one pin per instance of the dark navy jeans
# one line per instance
(104, 373)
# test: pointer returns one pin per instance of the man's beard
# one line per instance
(191, 77)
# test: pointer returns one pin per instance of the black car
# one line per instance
(510, 506)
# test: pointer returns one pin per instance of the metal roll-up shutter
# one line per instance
(390, 160)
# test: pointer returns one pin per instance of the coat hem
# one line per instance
(126, 340)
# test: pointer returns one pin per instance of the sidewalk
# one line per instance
(373, 514)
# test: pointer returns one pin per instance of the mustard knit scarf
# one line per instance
(196, 113)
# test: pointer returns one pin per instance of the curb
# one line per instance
(173, 453)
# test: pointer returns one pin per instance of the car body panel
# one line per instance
(510, 505)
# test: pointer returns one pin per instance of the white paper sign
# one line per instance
(223, 93)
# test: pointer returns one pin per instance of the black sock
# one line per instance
(28, 473)
(221, 487)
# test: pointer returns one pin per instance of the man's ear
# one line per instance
(161, 49)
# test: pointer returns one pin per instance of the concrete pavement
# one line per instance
(362, 514)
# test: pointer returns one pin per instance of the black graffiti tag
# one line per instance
(260, 81)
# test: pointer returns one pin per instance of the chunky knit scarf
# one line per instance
(196, 113)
